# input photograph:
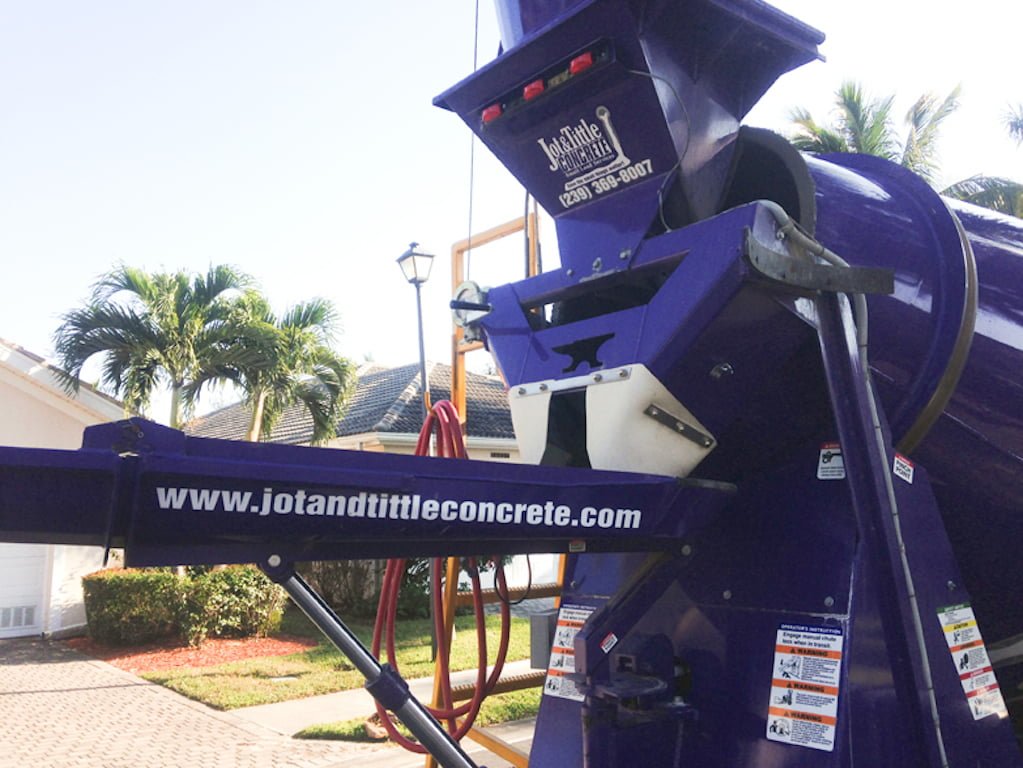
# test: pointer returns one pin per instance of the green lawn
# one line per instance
(324, 670)
(501, 708)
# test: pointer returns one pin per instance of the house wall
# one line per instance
(480, 449)
(40, 585)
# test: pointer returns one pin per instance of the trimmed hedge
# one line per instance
(131, 606)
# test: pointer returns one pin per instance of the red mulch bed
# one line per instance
(171, 653)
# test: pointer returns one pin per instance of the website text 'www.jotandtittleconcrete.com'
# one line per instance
(394, 506)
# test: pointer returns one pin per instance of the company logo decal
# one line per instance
(589, 155)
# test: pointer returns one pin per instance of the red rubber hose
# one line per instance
(442, 418)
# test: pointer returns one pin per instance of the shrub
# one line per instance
(128, 606)
(236, 601)
(125, 607)
(350, 587)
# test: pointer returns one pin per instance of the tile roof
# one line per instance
(385, 400)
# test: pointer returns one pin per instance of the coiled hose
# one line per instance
(442, 418)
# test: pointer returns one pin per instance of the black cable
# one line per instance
(505, 598)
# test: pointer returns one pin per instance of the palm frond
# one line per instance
(124, 279)
(811, 137)
(993, 192)
(97, 329)
(924, 120)
(1014, 123)
(316, 314)
(218, 280)
(866, 122)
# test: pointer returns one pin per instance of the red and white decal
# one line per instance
(803, 708)
(972, 663)
(570, 620)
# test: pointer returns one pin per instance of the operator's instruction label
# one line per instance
(971, 660)
(804, 689)
(830, 465)
(570, 620)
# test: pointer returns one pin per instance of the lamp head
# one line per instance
(415, 265)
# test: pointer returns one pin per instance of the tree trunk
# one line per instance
(175, 414)
(255, 426)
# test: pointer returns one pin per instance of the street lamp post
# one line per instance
(416, 266)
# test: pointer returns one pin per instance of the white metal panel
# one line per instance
(22, 584)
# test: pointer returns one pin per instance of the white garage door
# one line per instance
(22, 580)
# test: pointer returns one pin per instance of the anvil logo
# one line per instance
(585, 147)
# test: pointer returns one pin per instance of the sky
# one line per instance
(298, 142)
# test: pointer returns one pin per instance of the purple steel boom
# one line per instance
(789, 528)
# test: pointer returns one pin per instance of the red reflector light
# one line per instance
(491, 113)
(533, 90)
(581, 63)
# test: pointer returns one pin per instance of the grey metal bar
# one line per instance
(412, 713)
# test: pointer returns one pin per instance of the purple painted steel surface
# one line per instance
(704, 312)
(875, 213)
(679, 660)
(664, 98)
(190, 500)
(86, 483)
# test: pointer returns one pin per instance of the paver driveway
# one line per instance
(61, 709)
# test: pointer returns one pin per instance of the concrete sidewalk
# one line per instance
(289, 717)
(60, 709)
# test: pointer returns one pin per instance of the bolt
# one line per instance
(687, 549)
(521, 390)
(727, 594)
(623, 373)
(573, 584)
(273, 561)
(543, 387)
(706, 442)
(623, 255)
(829, 601)
(721, 370)
(597, 264)
(952, 586)
(598, 377)
(653, 411)
(779, 235)
(569, 272)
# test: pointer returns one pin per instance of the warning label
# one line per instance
(830, 465)
(803, 708)
(903, 468)
(972, 663)
(570, 620)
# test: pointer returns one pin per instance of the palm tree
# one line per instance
(864, 125)
(1014, 122)
(152, 330)
(292, 363)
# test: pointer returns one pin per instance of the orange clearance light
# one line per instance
(581, 63)
(533, 90)
(491, 113)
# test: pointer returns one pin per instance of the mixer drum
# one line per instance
(946, 353)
